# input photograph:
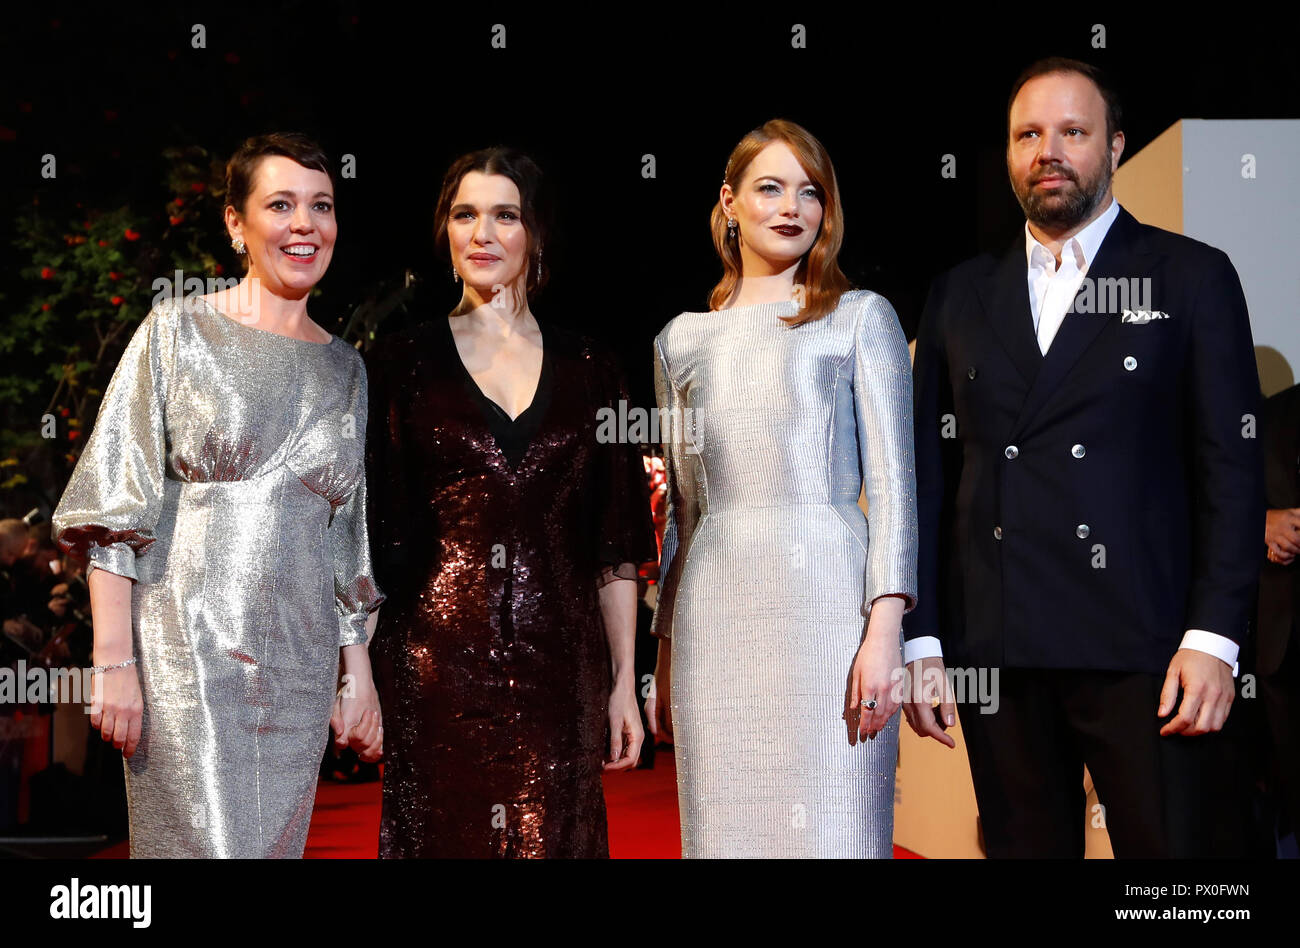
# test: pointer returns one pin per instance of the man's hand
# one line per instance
(1282, 534)
(928, 683)
(1207, 693)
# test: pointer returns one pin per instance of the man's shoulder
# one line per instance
(1187, 251)
(969, 272)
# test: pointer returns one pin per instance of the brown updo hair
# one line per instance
(534, 200)
(243, 164)
(819, 271)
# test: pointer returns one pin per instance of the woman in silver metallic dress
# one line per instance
(220, 501)
(782, 402)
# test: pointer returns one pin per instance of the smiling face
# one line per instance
(287, 226)
(776, 206)
(486, 233)
(1059, 156)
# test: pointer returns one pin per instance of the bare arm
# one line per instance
(110, 609)
(116, 705)
(618, 610)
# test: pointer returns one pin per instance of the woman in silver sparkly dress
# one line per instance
(220, 501)
(782, 402)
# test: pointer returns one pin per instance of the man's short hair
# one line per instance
(1055, 64)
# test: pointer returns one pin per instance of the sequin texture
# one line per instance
(491, 656)
(225, 475)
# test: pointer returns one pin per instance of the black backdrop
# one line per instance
(588, 92)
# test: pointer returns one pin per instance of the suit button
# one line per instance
(1012, 452)
(1130, 363)
(971, 373)
(997, 533)
(1078, 451)
(1082, 531)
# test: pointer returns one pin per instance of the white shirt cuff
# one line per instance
(924, 646)
(1222, 648)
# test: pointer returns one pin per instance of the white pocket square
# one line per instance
(1142, 315)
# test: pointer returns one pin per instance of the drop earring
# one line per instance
(455, 277)
(731, 227)
(539, 266)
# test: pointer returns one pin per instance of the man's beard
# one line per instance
(1067, 206)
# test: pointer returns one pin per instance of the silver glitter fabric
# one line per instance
(225, 475)
(770, 567)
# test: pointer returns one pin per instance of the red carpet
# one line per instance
(642, 808)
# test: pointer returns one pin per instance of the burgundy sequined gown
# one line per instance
(490, 654)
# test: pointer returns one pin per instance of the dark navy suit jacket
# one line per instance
(1084, 508)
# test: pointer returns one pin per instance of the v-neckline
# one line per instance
(541, 400)
(541, 375)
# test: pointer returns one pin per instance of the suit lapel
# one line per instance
(1116, 258)
(1004, 294)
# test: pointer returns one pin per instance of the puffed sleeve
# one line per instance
(683, 502)
(625, 528)
(110, 508)
(882, 400)
(355, 590)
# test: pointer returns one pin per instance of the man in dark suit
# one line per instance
(1277, 663)
(1090, 500)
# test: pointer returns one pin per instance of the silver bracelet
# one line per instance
(97, 669)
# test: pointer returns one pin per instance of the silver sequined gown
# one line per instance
(225, 475)
(770, 567)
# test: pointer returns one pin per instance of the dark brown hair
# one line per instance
(819, 271)
(534, 200)
(242, 166)
(1094, 74)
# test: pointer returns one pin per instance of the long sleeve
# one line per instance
(356, 592)
(931, 402)
(110, 508)
(1229, 478)
(683, 501)
(882, 394)
(625, 530)
(388, 512)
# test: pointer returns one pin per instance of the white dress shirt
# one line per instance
(1051, 291)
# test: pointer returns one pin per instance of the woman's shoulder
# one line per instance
(863, 300)
(565, 342)
(404, 346)
(159, 326)
(575, 354)
(168, 312)
(684, 324)
(867, 310)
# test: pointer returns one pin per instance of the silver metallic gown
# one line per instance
(225, 475)
(769, 569)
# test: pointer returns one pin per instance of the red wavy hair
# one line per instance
(819, 270)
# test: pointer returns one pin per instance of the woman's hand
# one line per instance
(659, 703)
(928, 681)
(116, 707)
(625, 731)
(877, 674)
(357, 721)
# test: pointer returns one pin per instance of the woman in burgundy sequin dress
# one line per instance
(507, 534)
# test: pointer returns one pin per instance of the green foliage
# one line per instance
(85, 283)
